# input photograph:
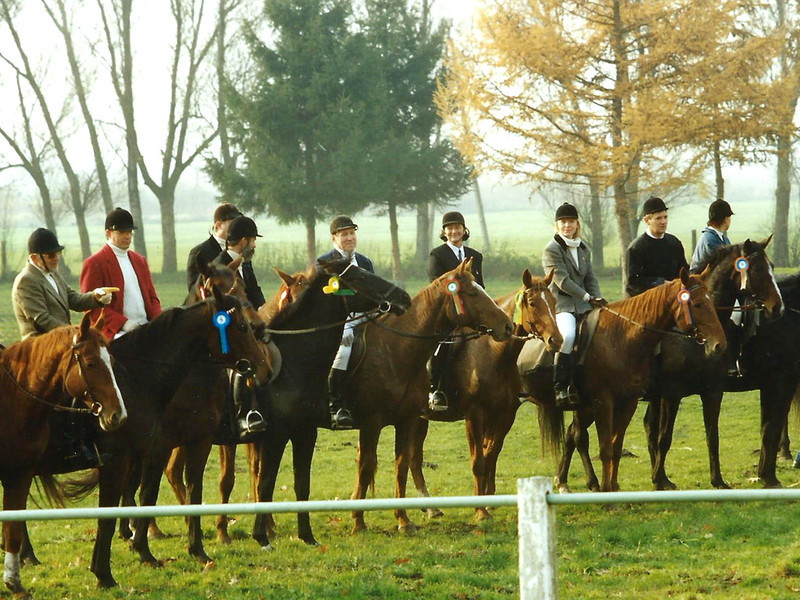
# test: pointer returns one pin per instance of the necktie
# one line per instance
(460, 255)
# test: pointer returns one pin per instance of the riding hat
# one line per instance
(43, 241)
(453, 218)
(226, 212)
(653, 204)
(242, 227)
(566, 211)
(341, 223)
(120, 219)
(718, 210)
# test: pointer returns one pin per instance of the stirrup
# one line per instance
(437, 401)
(341, 419)
(567, 399)
(252, 422)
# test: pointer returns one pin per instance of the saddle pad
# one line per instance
(535, 354)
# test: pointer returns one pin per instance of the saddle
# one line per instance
(536, 356)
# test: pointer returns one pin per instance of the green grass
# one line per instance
(701, 551)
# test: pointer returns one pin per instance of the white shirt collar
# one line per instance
(117, 250)
(233, 254)
(222, 243)
(719, 233)
(647, 231)
(459, 252)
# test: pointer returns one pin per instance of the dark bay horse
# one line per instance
(37, 376)
(485, 376)
(308, 332)
(386, 385)
(151, 363)
(617, 361)
(687, 370)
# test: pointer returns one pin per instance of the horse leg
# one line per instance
(152, 468)
(27, 557)
(712, 401)
(622, 418)
(270, 450)
(475, 437)
(784, 447)
(131, 484)
(112, 481)
(776, 398)
(403, 436)
(366, 465)
(15, 497)
(493, 440)
(303, 441)
(255, 463)
(664, 430)
(577, 438)
(196, 459)
(227, 477)
(176, 465)
(415, 465)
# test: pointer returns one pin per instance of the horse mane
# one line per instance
(315, 278)
(718, 255)
(156, 331)
(790, 289)
(642, 308)
(39, 347)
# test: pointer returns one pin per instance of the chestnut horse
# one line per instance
(617, 361)
(386, 385)
(37, 376)
(484, 374)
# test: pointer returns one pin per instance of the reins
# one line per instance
(369, 314)
(445, 337)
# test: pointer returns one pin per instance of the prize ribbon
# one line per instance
(221, 322)
(684, 296)
(452, 287)
(741, 265)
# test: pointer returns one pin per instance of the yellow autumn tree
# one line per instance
(624, 97)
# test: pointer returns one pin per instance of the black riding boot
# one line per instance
(566, 396)
(249, 420)
(79, 450)
(652, 390)
(437, 398)
(735, 335)
(337, 403)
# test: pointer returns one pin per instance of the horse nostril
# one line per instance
(509, 329)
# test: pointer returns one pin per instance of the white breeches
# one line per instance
(342, 358)
(567, 326)
(736, 316)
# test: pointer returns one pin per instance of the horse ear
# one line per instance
(765, 243)
(86, 323)
(706, 272)
(747, 246)
(203, 267)
(235, 264)
(287, 279)
(685, 276)
(527, 280)
(218, 295)
(549, 277)
(101, 320)
(467, 264)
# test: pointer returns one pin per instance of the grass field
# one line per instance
(746, 551)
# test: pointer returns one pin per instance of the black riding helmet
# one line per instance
(453, 218)
(242, 227)
(120, 219)
(43, 241)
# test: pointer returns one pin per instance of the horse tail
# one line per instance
(52, 489)
(551, 429)
(79, 488)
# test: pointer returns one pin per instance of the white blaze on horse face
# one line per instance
(547, 304)
(123, 411)
(775, 283)
(11, 571)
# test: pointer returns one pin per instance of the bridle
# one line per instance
(521, 298)
(86, 396)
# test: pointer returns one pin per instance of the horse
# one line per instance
(685, 369)
(617, 362)
(487, 384)
(40, 375)
(308, 332)
(150, 364)
(397, 347)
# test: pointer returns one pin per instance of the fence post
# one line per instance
(537, 540)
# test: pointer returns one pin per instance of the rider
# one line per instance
(576, 289)
(712, 237)
(42, 301)
(216, 242)
(241, 242)
(653, 258)
(343, 235)
(118, 266)
(442, 259)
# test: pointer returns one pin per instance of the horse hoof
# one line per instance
(310, 541)
(154, 533)
(209, 565)
(106, 583)
(268, 548)
(666, 486)
(358, 529)
(409, 529)
(434, 513)
(483, 514)
(223, 539)
(31, 561)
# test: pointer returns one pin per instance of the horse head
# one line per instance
(89, 376)
(694, 312)
(757, 278)
(471, 306)
(536, 310)
(224, 277)
(231, 337)
(370, 289)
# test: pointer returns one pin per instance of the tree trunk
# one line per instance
(393, 229)
(167, 203)
(423, 238)
(780, 241)
(311, 238)
(482, 217)
(718, 172)
(598, 258)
